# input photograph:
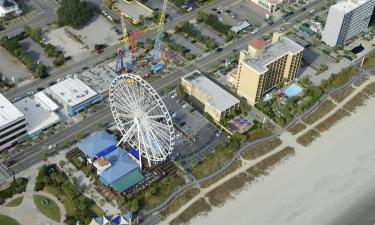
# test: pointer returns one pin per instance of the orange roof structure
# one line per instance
(258, 43)
(101, 161)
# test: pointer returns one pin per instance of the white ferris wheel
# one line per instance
(142, 118)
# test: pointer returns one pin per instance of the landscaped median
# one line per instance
(47, 207)
(15, 202)
(78, 208)
(6, 220)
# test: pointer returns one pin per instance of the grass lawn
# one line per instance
(8, 220)
(15, 202)
(69, 206)
(318, 113)
(342, 94)
(51, 210)
(332, 120)
(296, 128)
(307, 138)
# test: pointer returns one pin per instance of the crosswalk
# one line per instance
(22, 19)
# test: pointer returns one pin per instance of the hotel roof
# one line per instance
(72, 91)
(272, 52)
(216, 96)
(8, 112)
(348, 5)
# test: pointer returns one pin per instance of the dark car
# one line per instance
(40, 88)
(10, 163)
(2, 28)
(219, 49)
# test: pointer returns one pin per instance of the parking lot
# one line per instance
(63, 42)
(11, 68)
(36, 52)
(98, 31)
(206, 31)
(194, 131)
(189, 43)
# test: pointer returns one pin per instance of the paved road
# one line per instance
(35, 153)
(94, 58)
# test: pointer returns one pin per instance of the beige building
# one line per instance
(217, 102)
(264, 65)
(132, 10)
(269, 5)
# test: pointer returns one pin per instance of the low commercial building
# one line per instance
(73, 95)
(347, 19)
(269, 5)
(99, 78)
(38, 116)
(217, 102)
(264, 65)
(132, 10)
(114, 166)
(9, 8)
(12, 123)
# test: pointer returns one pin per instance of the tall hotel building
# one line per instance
(263, 66)
(12, 123)
(347, 19)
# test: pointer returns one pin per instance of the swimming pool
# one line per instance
(292, 90)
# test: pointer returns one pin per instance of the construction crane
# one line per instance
(157, 52)
(124, 52)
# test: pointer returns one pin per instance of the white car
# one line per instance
(52, 147)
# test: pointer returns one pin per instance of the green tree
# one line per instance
(149, 44)
(180, 91)
(74, 13)
(40, 71)
(134, 206)
(61, 163)
(45, 156)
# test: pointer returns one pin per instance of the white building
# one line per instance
(347, 19)
(74, 95)
(12, 123)
(38, 115)
(269, 5)
(9, 8)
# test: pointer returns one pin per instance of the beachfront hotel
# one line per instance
(347, 19)
(264, 65)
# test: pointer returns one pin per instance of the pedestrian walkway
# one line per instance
(27, 212)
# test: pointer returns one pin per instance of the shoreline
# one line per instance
(318, 186)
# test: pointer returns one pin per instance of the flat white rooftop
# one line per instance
(37, 117)
(72, 91)
(133, 9)
(44, 100)
(216, 96)
(349, 5)
(272, 52)
(8, 112)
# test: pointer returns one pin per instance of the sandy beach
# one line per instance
(330, 182)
